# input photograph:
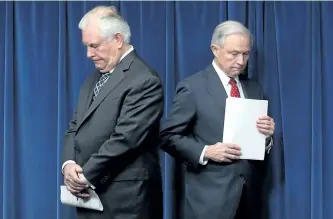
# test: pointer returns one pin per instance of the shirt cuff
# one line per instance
(202, 160)
(81, 176)
(269, 146)
(67, 162)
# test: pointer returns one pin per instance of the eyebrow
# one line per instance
(90, 44)
(236, 51)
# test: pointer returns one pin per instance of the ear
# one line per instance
(215, 49)
(119, 40)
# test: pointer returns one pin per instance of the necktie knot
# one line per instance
(232, 82)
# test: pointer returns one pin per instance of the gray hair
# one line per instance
(109, 22)
(228, 28)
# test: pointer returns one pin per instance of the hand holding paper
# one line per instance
(72, 179)
(93, 202)
(266, 125)
(222, 152)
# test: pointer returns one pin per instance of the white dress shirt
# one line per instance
(225, 82)
(72, 161)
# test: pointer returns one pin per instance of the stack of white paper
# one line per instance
(240, 127)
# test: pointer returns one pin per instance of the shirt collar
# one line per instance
(223, 76)
(124, 55)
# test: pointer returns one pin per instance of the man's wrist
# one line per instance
(207, 155)
(203, 160)
(65, 163)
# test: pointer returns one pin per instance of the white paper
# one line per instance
(68, 198)
(240, 127)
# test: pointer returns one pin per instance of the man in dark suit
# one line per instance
(218, 185)
(112, 141)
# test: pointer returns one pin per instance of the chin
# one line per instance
(99, 67)
(237, 72)
(103, 70)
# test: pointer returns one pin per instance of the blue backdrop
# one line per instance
(43, 65)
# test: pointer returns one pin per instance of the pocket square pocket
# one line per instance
(67, 198)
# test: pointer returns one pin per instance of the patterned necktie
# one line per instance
(100, 83)
(234, 88)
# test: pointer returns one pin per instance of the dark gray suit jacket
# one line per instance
(115, 140)
(196, 119)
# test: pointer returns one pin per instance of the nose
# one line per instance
(240, 59)
(90, 53)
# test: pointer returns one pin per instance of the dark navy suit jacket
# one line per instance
(115, 139)
(196, 119)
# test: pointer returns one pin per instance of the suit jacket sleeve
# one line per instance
(269, 141)
(176, 131)
(68, 152)
(142, 107)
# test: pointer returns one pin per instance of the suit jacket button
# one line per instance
(77, 149)
(242, 176)
(187, 163)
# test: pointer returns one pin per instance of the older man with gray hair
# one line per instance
(218, 185)
(112, 142)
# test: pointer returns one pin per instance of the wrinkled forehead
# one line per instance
(238, 42)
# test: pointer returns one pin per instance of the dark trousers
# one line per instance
(249, 205)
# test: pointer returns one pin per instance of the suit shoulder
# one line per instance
(194, 80)
(143, 71)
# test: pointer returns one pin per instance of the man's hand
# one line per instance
(73, 183)
(222, 152)
(266, 125)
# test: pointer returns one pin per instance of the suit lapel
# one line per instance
(246, 89)
(215, 87)
(89, 90)
(114, 80)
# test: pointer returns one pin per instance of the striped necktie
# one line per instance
(100, 83)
